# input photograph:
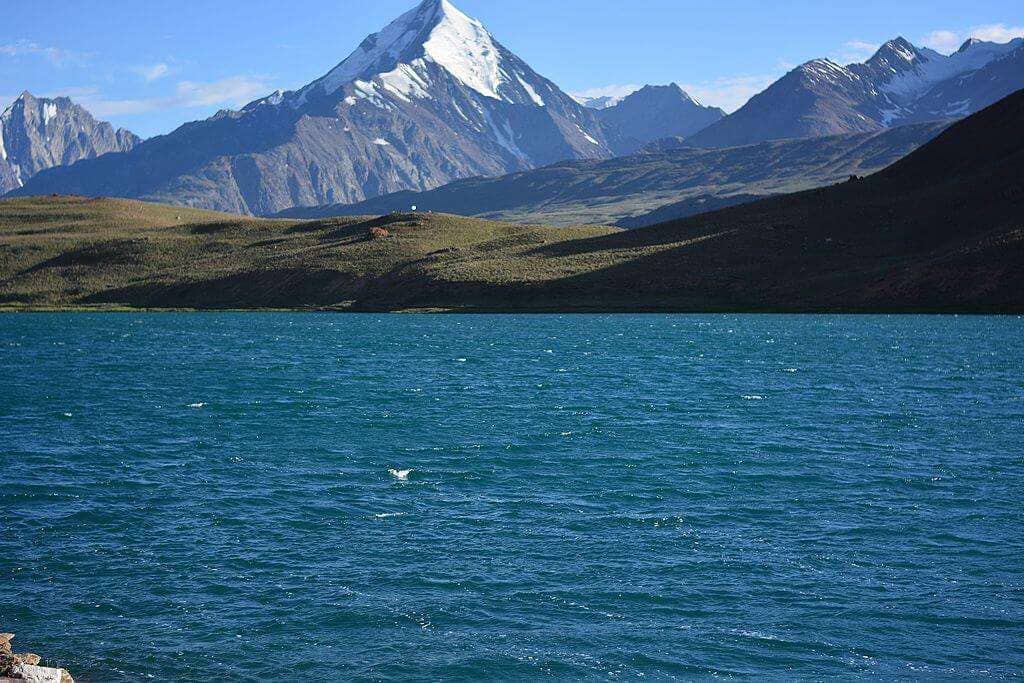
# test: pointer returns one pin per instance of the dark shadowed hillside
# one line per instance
(942, 230)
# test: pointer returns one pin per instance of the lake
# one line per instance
(206, 496)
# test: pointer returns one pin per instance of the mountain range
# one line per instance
(39, 133)
(431, 98)
(671, 180)
(434, 98)
(938, 231)
(899, 84)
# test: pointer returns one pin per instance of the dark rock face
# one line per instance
(899, 84)
(656, 112)
(430, 99)
(37, 134)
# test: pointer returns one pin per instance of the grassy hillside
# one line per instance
(617, 190)
(72, 251)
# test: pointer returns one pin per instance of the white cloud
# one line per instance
(729, 93)
(55, 55)
(997, 33)
(943, 41)
(947, 41)
(152, 72)
(233, 91)
(855, 51)
(107, 108)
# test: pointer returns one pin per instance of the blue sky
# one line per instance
(153, 65)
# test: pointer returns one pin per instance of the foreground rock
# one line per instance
(25, 667)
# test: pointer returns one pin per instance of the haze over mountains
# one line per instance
(38, 133)
(655, 112)
(434, 98)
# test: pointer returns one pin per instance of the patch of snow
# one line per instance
(406, 81)
(961, 108)
(600, 101)
(381, 142)
(505, 137)
(49, 112)
(537, 99)
(588, 138)
(890, 115)
(3, 150)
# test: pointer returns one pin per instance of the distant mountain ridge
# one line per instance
(899, 84)
(38, 133)
(625, 190)
(655, 112)
(431, 98)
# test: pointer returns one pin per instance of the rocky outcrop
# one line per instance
(37, 134)
(25, 667)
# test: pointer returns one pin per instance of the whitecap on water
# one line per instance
(753, 397)
(386, 515)
(197, 405)
(400, 475)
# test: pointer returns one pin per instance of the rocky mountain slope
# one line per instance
(431, 98)
(38, 133)
(899, 84)
(617, 190)
(655, 112)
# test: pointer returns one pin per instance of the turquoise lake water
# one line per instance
(210, 496)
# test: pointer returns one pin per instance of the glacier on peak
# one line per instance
(434, 31)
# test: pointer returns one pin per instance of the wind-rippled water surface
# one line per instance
(211, 496)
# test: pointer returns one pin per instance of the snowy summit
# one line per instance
(438, 33)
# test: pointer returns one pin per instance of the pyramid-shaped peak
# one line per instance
(898, 48)
(435, 31)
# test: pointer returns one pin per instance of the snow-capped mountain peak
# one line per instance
(435, 31)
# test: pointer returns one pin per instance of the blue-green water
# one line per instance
(209, 496)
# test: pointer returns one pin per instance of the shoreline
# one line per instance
(27, 666)
(526, 310)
